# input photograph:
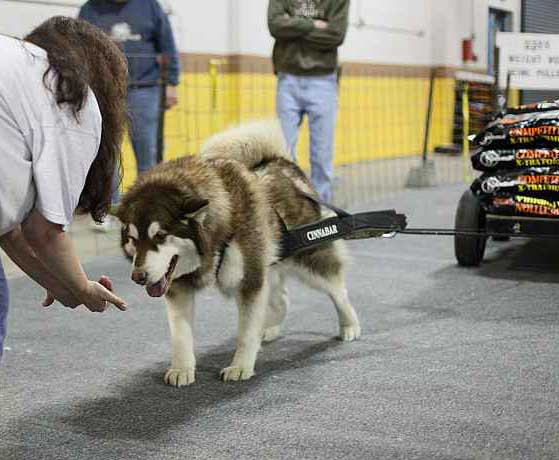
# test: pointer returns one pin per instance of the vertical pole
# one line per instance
(163, 100)
(213, 72)
(466, 131)
(500, 98)
(214, 63)
(428, 116)
(507, 92)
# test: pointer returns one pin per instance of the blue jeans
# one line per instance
(143, 109)
(4, 298)
(318, 98)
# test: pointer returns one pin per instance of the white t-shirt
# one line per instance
(45, 153)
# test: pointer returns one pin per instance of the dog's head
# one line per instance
(163, 234)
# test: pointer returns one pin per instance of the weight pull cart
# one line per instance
(474, 226)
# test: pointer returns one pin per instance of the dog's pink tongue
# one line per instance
(157, 289)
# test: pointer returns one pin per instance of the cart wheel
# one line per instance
(470, 216)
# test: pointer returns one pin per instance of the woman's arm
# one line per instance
(55, 250)
(52, 247)
(17, 248)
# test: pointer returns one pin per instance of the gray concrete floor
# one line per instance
(453, 364)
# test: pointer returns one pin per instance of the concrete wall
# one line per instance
(414, 32)
(19, 17)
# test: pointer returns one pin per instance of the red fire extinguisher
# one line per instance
(468, 50)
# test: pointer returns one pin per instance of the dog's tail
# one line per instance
(251, 144)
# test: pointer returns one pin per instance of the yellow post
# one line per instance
(213, 71)
(466, 132)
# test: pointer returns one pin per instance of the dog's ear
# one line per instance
(127, 247)
(195, 208)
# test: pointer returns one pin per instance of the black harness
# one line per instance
(221, 256)
(343, 225)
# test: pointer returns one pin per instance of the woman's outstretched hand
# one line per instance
(96, 298)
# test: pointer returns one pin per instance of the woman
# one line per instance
(62, 118)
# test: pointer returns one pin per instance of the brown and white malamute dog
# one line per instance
(215, 219)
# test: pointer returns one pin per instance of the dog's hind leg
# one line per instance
(350, 328)
(323, 269)
(252, 303)
(277, 306)
(180, 313)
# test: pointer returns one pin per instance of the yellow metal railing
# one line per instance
(380, 126)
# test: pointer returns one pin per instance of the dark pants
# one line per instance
(3, 308)
(143, 108)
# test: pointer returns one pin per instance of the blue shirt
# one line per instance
(142, 30)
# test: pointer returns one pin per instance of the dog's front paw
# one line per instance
(350, 333)
(179, 377)
(234, 374)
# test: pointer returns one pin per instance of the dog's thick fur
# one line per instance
(195, 222)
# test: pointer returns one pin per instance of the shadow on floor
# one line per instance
(142, 407)
(517, 260)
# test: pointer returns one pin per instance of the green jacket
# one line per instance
(301, 48)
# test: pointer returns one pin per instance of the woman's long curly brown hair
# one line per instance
(81, 56)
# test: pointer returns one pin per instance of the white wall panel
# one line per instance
(420, 32)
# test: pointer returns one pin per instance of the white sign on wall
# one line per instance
(532, 60)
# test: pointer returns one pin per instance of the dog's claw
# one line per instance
(180, 377)
(234, 374)
(350, 333)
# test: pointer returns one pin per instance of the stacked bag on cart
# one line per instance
(518, 154)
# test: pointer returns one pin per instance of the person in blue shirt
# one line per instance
(142, 30)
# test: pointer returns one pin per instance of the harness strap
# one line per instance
(342, 226)
(339, 212)
(221, 256)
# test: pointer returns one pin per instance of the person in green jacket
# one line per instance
(308, 34)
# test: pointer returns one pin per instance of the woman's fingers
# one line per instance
(99, 307)
(99, 296)
(117, 302)
(49, 300)
(106, 286)
(106, 282)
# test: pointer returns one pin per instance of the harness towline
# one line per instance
(346, 226)
(377, 224)
(389, 223)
